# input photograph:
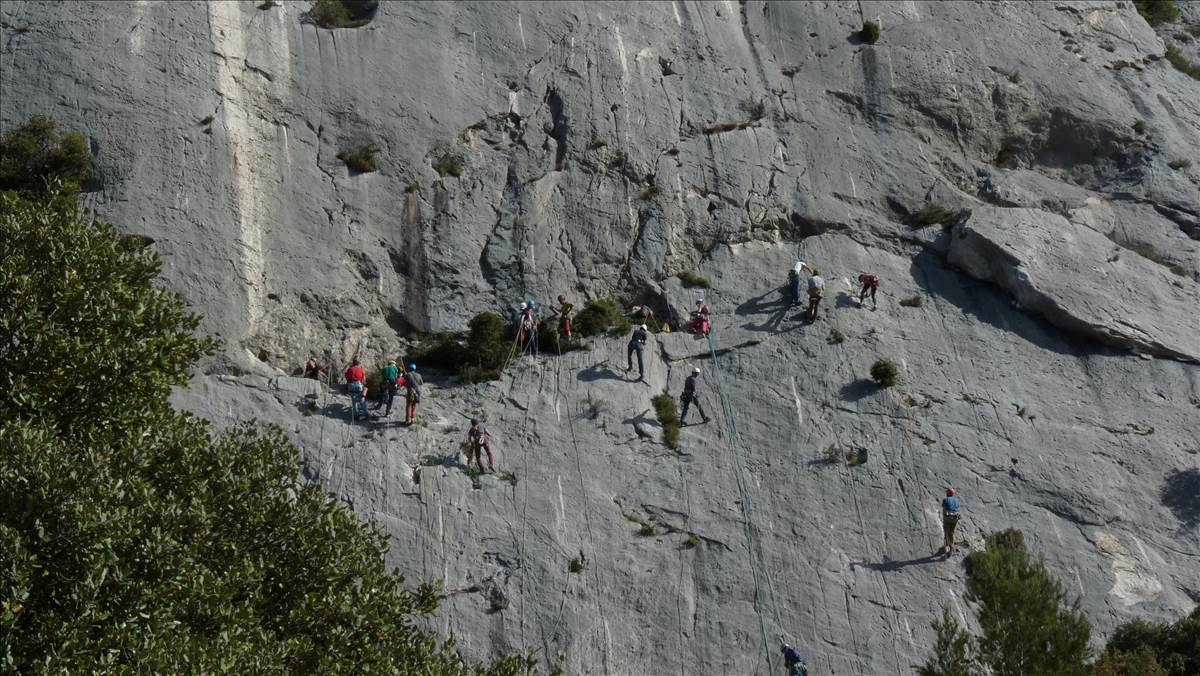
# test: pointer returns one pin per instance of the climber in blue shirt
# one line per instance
(950, 513)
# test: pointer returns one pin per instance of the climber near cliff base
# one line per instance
(477, 442)
(950, 513)
(870, 284)
(688, 397)
(566, 318)
(412, 393)
(795, 276)
(793, 661)
(356, 385)
(387, 392)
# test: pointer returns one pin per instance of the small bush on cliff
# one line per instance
(933, 213)
(692, 280)
(36, 152)
(343, 13)
(884, 372)
(869, 32)
(1140, 648)
(668, 417)
(1182, 63)
(136, 538)
(476, 356)
(360, 159)
(601, 316)
(448, 164)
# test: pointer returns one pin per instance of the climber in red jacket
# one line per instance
(870, 284)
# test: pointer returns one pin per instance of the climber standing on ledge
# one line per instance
(870, 284)
(477, 442)
(951, 507)
(816, 289)
(356, 385)
(566, 317)
(689, 396)
(637, 342)
(387, 391)
(412, 393)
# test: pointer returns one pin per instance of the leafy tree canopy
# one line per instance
(36, 153)
(133, 537)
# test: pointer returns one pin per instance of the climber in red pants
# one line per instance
(477, 442)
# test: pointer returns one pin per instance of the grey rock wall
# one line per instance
(606, 147)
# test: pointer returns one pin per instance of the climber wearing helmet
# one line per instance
(700, 321)
(688, 397)
(477, 442)
(412, 394)
(637, 342)
(870, 284)
(387, 392)
(816, 289)
(793, 661)
(566, 317)
(950, 513)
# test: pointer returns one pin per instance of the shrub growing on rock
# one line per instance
(36, 152)
(343, 13)
(360, 159)
(1140, 647)
(448, 164)
(933, 213)
(1157, 11)
(869, 32)
(668, 417)
(691, 279)
(1181, 62)
(884, 372)
(601, 316)
(912, 301)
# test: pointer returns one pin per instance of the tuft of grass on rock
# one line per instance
(931, 214)
(647, 530)
(692, 541)
(836, 336)
(1179, 164)
(912, 301)
(1181, 62)
(692, 280)
(206, 120)
(650, 192)
(870, 32)
(1139, 126)
(884, 372)
(411, 188)
(342, 13)
(360, 160)
(448, 164)
(668, 417)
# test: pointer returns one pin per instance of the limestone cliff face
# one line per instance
(1049, 373)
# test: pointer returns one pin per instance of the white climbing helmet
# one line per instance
(696, 370)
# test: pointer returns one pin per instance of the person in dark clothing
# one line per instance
(951, 508)
(870, 284)
(477, 442)
(637, 343)
(412, 395)
(689, 397)
(312, 370)
(794, 661)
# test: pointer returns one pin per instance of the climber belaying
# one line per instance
(390, 373)
(637, 342)
(870, 284)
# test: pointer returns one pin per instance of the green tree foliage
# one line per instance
(37, 152)
(952, 653)
(1140, 648)
(1157, 11)
(1028, 626)
(86, 337)
(668, 416)
(884, 372)
(477, 355)
(134, 539)
(869, 32)
(601, 316)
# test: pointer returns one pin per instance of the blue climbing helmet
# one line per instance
(412, 367)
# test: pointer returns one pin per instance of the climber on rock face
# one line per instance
(356, 385)
(951, 506)
(412, 393)
(637, 342)
(566, 318)
(793, 661)
(312, 369)
(816, 289)
(870, 284)
(700, 319)
(477, 442)
(688, 397)
(527, 329)
(387, 392)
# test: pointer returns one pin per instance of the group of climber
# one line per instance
(392, 379)
(816, 287)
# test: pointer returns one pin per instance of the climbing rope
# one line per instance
(754, 544)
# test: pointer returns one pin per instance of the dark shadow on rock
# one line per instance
(888, 566)
(846, 300)
(760, 305)
(642, 418)
(991, 305)
(858, 389)
(855, 38)
(598, 372)
(1180, 493)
